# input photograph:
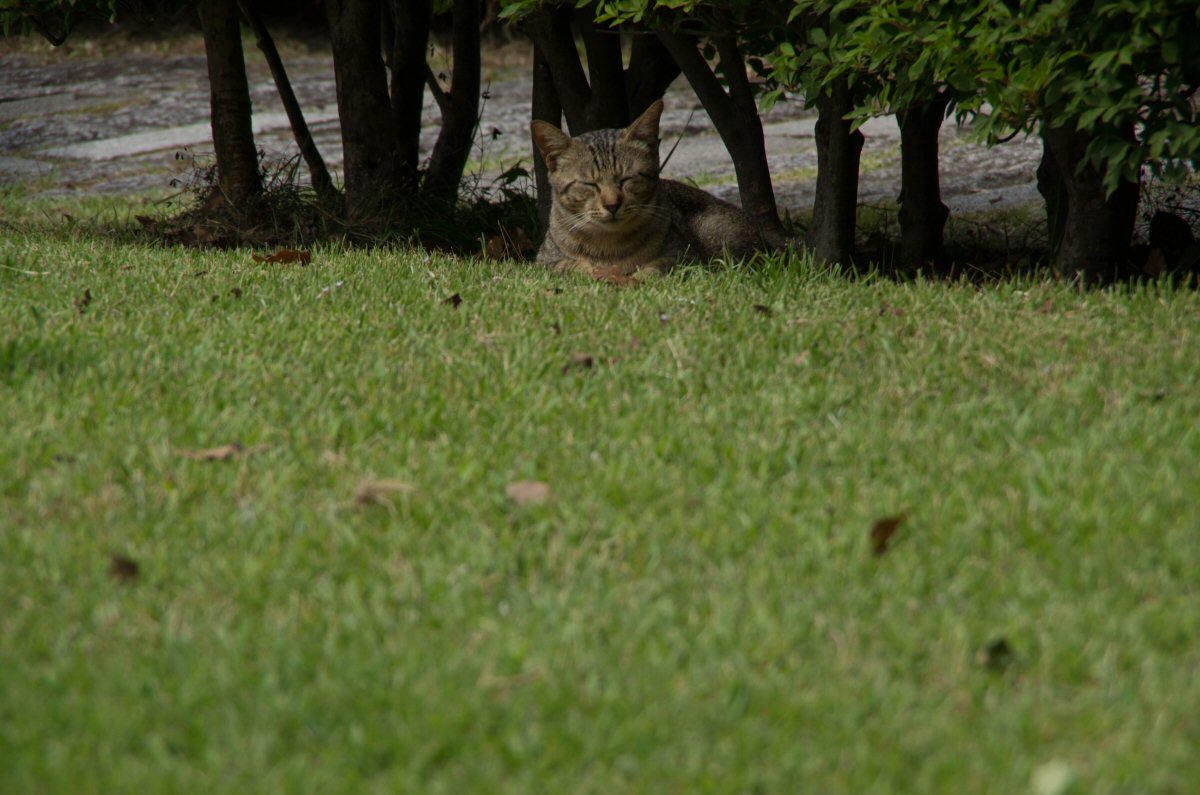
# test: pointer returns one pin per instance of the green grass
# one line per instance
(697, 608)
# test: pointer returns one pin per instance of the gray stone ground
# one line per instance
(100, 118)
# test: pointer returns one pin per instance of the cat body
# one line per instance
(613, 216)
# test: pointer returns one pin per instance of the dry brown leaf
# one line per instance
(222, 453)
(510, 242)
(763, 309)
(83, 301)
(529, 492)
(453, 301)
(887, 309)
(997, 657)
(285, 256)
(884, 530)
(122, 568)
(802, 358)
(376, 492)
(496, 247)
(579, 361)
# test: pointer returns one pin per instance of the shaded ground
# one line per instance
(105, 116)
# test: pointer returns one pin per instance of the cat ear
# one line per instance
(550, 140)
(645, 127)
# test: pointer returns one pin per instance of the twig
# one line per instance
(25, 272)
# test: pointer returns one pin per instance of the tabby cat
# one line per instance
(612, 216)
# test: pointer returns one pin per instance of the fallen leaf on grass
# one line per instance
(997, 657)
(887, 309)
(802, 358)
(884, 530)
(123, 569)
(579, 361)
(83, 301)
(763, 309)
(511, 242)
(529, 492)
(453, 301)
(285, 256)
(223, 453)
(376, 492)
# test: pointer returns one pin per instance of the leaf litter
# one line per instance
(380, 491)
(884, 530)
(284, 256)
(123, 569)
(529, 492)
(224, 452)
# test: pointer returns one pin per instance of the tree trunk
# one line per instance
(322, 184)
(588, 106)
(546, 107)
(1053, 187)
(1098, 228)
(233, 136)
(460, 114)
(831, 238)
(735, 116)
(608, 104)
(370, 157)
(651, 72)
(411, 21)
(922, 213)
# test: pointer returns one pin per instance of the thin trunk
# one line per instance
(922, 213)
(319, 174)
(1053, 187)
(370, 157)
(233, 136)
(461, 114)
(831, 238)
(736, 118)
(411, 21)
(554, 40)
(651, 72)
(608, 105)
(546, 107)
(600, 103)
(1098, 227)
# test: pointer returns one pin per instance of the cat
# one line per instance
(612, 216)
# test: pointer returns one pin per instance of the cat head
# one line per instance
(603, 178)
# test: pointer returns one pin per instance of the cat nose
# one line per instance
(613, 205)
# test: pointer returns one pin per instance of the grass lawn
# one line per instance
(354, 602)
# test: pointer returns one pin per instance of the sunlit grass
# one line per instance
(353, 604)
